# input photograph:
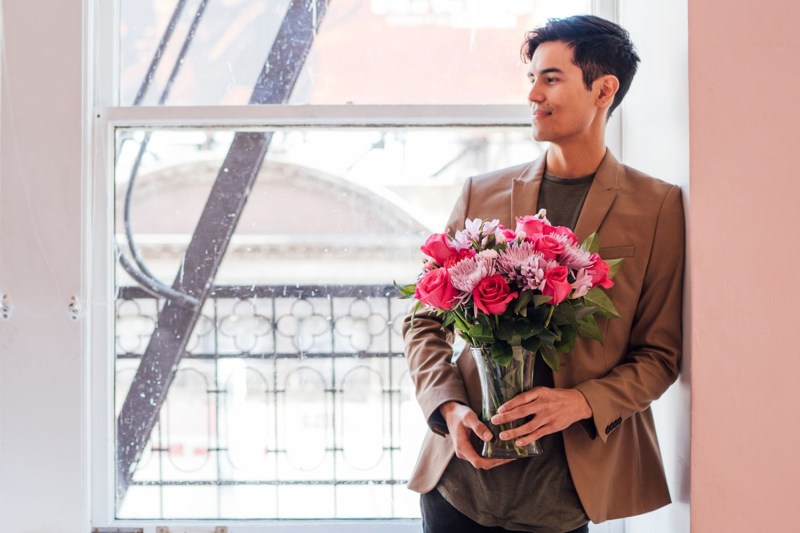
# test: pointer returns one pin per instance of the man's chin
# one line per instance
(539, 136)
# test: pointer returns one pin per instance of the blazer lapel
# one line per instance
(601, 195)
(525, 190)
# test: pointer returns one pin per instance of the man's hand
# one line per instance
(553, 409)
(461, 422)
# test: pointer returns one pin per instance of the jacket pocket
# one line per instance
(615, 252)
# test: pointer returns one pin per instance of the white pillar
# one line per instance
(655, 133)
(43, 485)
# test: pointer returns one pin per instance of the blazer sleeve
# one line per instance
(654, 349)
(429, 349)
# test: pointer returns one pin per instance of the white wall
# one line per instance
(42, 459)
(655, 125)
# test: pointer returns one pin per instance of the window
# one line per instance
(271, 169)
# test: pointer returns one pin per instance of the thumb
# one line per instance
(478, 427)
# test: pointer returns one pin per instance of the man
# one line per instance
(592, 417)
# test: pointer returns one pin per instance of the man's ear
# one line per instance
(608, 86)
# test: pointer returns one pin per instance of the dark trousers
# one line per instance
(438, 516)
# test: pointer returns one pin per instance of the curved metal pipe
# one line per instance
(144, 276)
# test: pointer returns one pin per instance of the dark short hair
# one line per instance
(599, 47)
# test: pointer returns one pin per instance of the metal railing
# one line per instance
(281, 389)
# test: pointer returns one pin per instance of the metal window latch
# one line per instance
(117, 530)
(74, 308)
(5, 307)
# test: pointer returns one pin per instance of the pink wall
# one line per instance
(744, 75)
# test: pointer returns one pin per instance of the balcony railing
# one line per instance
(285, 395)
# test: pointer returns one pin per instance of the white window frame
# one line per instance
(107, 115)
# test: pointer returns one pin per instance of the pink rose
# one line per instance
(531, 225)
(556, 284)
(438, 247)
(550, 247)
(509, 234)
(434, 289)
(562, 230)
(458, 256)
(493, 294)
(599, 271)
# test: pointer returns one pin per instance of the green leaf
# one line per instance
(531, 344)
(589, 329)
(582, 312)
(526, 329)
(567, 341)
(505, 330)
(550, 356)
(599, 299)
(565, 314)
(591, 244)
(547, 337)
(540, 299)
(614, 266)
(556, 334)
(481, 333)
(448, 320)
(502, 353)
(521, 307)
(538, 315)
(406, 291)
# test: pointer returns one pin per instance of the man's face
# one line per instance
(562, 108)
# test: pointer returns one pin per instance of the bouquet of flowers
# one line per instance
(514, 293)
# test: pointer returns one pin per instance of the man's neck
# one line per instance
(575, 160)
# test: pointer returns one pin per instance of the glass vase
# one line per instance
(499, 384)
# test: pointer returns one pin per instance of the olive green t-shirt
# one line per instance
(533, 494)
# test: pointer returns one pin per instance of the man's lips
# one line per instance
(538, 113)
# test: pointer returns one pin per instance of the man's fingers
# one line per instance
(524, 429)
(535, 435)
(520, 399)
(479, 462)
(478, 427)
(516, 413)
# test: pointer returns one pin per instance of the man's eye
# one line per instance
(551, 79)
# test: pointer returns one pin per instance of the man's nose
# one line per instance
(535, 95)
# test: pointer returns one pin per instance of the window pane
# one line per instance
(290, 385)
(364, 52)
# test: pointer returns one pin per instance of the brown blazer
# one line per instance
(615, 461)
